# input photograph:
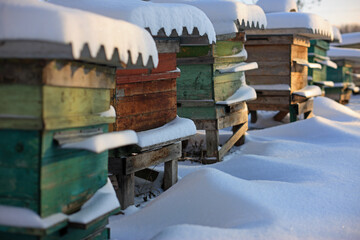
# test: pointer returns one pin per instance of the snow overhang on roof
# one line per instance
(71, 34)
(228, 16)
(350, 54)
(159, 19)
(337, 35)
(349, 39)
(270, 6)
(305, 24)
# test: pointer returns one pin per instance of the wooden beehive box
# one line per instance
(42, 100)
(145, 99)
(342, 78)
(201, 85)
(276, 55)
(318, 51)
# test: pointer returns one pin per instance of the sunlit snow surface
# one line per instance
(294, 181)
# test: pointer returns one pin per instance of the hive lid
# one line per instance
(228, 16)
(349, 39)
(350, 54)
(305, 24)
(37, 29)
(170, 20)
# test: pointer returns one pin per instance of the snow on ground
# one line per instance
(295, 181)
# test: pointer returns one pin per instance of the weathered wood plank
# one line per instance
(264, 79)
(271, 69)
(263, 53)
(197, 112)
(167, 62)
(267, 107)
(170, 173)
(194, 51)
(228, 47)
(280, 116)
(233, 119)
(234, 138)
(212, 143)
(275, 100)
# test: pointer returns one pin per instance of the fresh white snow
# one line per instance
(105, 141)
(308, 91)
(277, 87)
(239, 67)
(224, 13)
(168, 17)
(109, 113)
(294, 181)
(327, 62)
(349, 39)
(26, 218)
(102, 202)
(337, 35)
(177, 128)
(306, 63)
(244, 93)
(344, 53)
(39, 20)
(278, 5)
(287, 20)
(325, 83)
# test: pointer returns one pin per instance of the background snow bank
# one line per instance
(295, 181)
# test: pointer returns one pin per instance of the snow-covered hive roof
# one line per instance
(344, 53)
(337, 35)
(349, 39)
(228, 15)
(35, 20)
(307, 24)
(155, 17)
(270, 6)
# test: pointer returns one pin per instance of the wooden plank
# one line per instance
(271, 68)
(280, 116)
(275, 100)
(212, 143)
(206, 124)
(267, 107)
(167, 62)
(300, 52)
(195, 113)
(195, 82)
(152, 157)
(263, 93)
(140, 88)
(56, 73)
(233, 119)
(194, 52)
(196, 103)
(264, 79)
(122, 76)
(145, 121)
(305, 106)
(231, 142)
(228, 47)
(252, 38)
(170, 173)
(126, 190)
(262, 53)
(226, 85)
(167, 45)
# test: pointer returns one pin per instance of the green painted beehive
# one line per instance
(317, 52)
(342, 78)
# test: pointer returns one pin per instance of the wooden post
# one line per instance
(126, 189)
(212, 143)
(170, 173)
(293, 113)
(253, 115)
(241, 141)
(280, 116)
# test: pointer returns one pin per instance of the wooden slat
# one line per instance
(233, 119)
(150, 158)
(143, 88)
(228, 47)
(263, 53)
(282, 100)
(234, 138)
(264, 79)
(197, 112)
(194, 52)
(167, 45)
(123, 77)
(267, 107)
(167, 62)
(212, 143)
(170, 173)
(271, 68)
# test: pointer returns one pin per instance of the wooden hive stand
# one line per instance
(342, 78)
(145, 100)
(201, 86)
(282, 61)
(48, 103)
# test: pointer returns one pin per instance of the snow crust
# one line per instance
(349, 39)
(327, 62)
(278, 5)
(325, 83)
(271, 87)
(26, 218)
(306, 63)
(239, 67)
(178, 128)
(39, 20)
(149, 15)
(244, 93)
(344, 53)
(224, 13)
(105, 141)
(102, 202)
(294, 181)
(309, 91)
(317, 24)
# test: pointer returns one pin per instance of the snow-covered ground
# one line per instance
(293, 181)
